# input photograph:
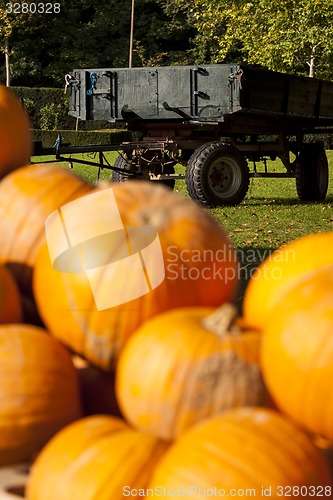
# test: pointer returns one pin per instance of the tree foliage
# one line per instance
(8, 24)
(292, 36)
(92, 34)
(287, 35)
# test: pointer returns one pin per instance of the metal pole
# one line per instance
(7, 63)
(131, 36)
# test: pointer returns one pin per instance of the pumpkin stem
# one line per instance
(222, 320)
(157, 219)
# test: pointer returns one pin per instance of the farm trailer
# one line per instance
(213, 120)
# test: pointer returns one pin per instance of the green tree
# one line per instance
(163, 33)
(91, 34)
(5, 32)
(20, 40)
(286, 35)
(9, 22)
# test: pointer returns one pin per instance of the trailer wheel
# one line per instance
(217, 174)
(312, 173)
(121, 163)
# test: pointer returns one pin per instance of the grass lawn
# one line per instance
(270, 215)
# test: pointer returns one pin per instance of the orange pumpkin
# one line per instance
(27, 196)
(186, 365)
(247, 452)
(15, 133)
(97, 457)
(280, 271)
(39, 391)
(297, 352)
(192, 249)
(10, 301)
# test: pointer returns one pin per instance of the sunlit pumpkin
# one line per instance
(186, 365)
(27, 196)
(279, 272)
(297, 352)
(15, 133)
(39, 391)
(183, 241)
(97, 457)
(10, 300)
(247, 452)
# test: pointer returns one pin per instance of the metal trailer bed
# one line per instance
(213, 120)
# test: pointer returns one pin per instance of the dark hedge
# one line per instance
(48, 109)
(82, 137)
(37, 100)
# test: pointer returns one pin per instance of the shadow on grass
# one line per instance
(257, 201)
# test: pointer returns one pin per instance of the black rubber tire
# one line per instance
(312, 173)
(217, 174)
(120, 163)
(123, 164)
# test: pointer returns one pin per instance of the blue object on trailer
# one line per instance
(93, 80)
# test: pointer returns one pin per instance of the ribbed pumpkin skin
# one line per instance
(297, 352)
(15, 133)
(174, 372)
(94, 458)
(245, 449)
(38, 388)
(10, 301)
(280, 271)
(27, 196)
(182, 226)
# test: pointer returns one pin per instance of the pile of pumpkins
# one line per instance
(174, 393)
